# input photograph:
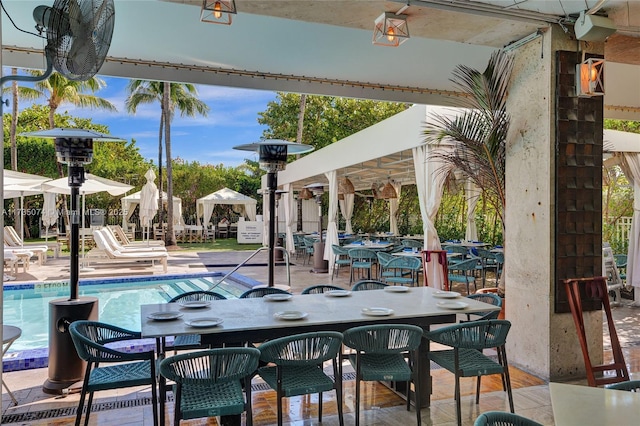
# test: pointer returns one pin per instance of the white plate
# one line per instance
(338, 293)
(290, 315)
(396, 289)
(446, 294)
(377, 312)
(452, 305)
(164, 316)
(204, 322)
(277, 297)
(194, 304)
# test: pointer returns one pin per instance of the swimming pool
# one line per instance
(27, 305)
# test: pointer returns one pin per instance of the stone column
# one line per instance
(540, 249)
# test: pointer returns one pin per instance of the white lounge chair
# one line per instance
(122, 237)
(115, 245)
(13, 241)
(16, 257)
(110, 255)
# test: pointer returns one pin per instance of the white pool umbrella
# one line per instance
(148, 201)
(20, 185)
(92, 185)
(49, 212)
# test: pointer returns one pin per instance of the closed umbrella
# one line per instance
(148, 200)
(92, 185)
(49, 212)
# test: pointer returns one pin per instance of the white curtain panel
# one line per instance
(429, 183)
(346, 207)
(393, 209)
(250, 211)
(289, 216)
(332, 226)
(207, 211)
(472, 192)
(631, 167)
(49, 210)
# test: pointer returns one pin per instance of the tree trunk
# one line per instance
(170, 238)
(160, 131)
(17, 214)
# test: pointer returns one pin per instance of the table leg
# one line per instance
(162, 382)
(424, 373)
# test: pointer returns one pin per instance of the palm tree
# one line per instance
(479, 134)
(182, 97)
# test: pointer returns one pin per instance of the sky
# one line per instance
(232, 120)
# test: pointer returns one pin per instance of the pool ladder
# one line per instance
(244, 262)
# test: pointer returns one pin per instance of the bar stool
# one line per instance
(10, 334)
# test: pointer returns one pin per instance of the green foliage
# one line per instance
(326, 119)
(622, 125)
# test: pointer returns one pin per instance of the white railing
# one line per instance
(623, 228)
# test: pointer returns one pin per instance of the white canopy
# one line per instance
(130, 202)
(245, 204)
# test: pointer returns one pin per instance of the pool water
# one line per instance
(27, 305)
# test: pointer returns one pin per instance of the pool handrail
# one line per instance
(241, 264)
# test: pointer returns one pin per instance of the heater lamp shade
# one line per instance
(305, 194)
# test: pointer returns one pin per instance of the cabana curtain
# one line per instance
(472, 194)
(332, 227)
(289, 216)
(630, 165)
(346, 207)
(393, 209)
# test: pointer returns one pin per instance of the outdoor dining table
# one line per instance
(586, 405)
(371, 245)
(261, 319)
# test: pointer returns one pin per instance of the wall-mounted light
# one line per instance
(218, 11)
(590, 77)
(388, 191)
(390, 29)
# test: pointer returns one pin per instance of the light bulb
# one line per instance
(391, 34)
(594, 73)
(217, 10)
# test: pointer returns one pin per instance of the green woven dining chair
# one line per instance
(211, 382)
(629, 385)
(364, 285)
(295, 367)
(109, 368)
(320, 288)
(380, 356)
(261, 292)
(192, 341)
(341, 258)
(503, 418)
(405, 270)
(465, 358)
(491, 299)
(463, 272)
(362, 259)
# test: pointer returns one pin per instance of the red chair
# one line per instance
(442, 260)
(596, 288)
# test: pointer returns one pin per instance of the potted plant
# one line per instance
(476, 138)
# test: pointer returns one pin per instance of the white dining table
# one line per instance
(256, 319)
(371, 245)
(585, 406)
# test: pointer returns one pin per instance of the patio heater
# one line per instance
(320, 266)
(74, 147)
(272, 155)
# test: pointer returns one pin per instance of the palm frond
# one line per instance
(474, 142)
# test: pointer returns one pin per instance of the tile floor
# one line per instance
(381, 407)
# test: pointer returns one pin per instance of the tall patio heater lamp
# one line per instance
(272, 155)
(74, 147)
(320, 266)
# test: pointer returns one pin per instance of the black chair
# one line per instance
(192, 341)
(122, 369)
(261, 292)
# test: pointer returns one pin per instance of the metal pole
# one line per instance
(74, 242)
(272, 184)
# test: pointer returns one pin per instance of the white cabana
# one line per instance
(626, 150)
(130, 202)
(242, 204)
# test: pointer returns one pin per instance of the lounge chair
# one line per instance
(122, 237)
(13, 241)
(14, 257)
(115, 245)
(106, 253)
